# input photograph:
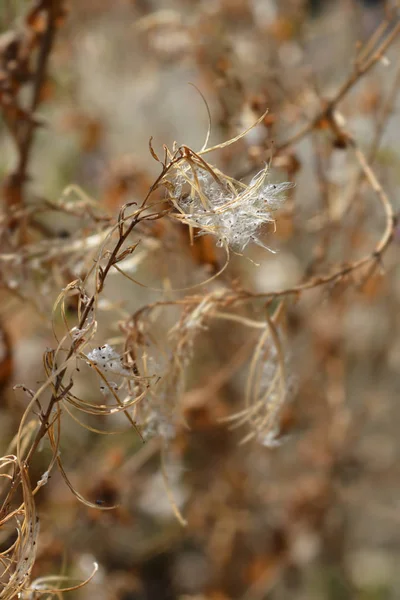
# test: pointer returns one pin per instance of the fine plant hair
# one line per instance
(142, 373)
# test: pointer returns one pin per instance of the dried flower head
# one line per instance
(228, 209)
(267, 386)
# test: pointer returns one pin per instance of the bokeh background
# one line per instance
(317, 516)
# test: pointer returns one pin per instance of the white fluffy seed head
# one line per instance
(108, 360)
(227, 209)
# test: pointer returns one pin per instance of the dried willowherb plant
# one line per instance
(142, 374)
(144, 382)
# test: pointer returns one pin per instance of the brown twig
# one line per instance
(330, 105)
(24, 134)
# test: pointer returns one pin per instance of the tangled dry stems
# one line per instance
(143, 378)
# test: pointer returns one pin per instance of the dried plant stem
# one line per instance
(25, 137)
(24, 133)
(359, 71)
